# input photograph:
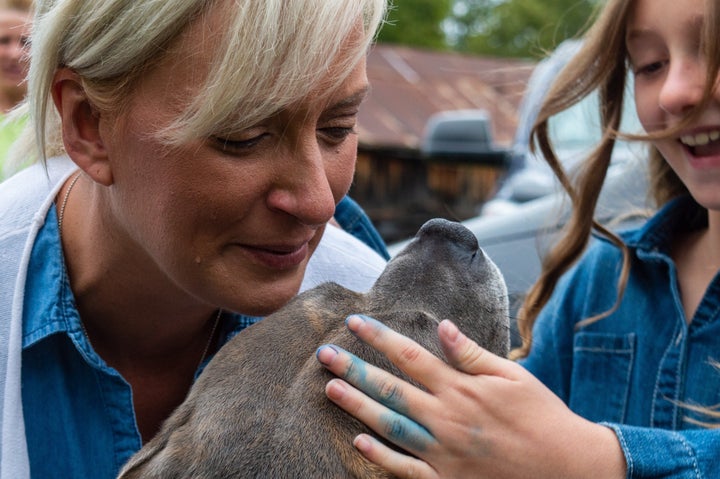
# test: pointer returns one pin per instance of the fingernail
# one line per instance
(354, 321)
(451, 331)
(362, 443)
(335, 389)
(326, 353)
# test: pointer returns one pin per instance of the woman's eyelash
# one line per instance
(334, 133)
(339, 132)
(227, 144)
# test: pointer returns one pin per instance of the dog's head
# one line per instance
(444, 273)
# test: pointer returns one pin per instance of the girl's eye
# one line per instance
(337, 134)
(649, 68)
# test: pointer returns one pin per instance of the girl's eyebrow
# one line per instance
(637, 34)
(695, 24)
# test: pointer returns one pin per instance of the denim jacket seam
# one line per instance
(691, 455)
(628, 381)
(657, 383)
(678, 377)
(626, 451)
(603, 350)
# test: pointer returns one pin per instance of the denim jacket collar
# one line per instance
(679, 214)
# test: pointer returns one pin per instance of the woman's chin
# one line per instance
(269, 300)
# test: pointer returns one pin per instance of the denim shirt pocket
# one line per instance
(600, 382)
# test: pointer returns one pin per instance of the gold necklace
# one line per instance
(61, 213)
(212, 334)
(61, 216)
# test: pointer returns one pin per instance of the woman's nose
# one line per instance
(304, 189)
(683, 87)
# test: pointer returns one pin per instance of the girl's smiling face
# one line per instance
(664, 42)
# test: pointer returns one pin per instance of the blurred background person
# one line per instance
(15, 17)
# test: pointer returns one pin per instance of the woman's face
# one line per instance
(14, 34)
(232, 220)
(670, 72)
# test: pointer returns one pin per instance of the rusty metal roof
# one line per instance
(408, 85)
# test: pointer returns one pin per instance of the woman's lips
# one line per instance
(13, 71)
(279, 257)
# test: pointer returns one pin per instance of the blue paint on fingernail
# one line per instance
(326, 347)
(354, 316)
(370, 320)
(365, 319)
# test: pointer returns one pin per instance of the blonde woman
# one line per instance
(618, 376)
(190, 154)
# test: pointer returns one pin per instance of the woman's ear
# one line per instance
(81, 126)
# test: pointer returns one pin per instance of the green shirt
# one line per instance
(9, 131)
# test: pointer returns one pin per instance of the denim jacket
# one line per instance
(638, 369)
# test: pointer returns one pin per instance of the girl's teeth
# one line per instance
(701, 138)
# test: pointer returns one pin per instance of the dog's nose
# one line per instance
(449, 230)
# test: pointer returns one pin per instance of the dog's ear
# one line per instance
(329, 300)
(138, 465)
(158, 455)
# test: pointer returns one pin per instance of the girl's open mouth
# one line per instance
(703, 144)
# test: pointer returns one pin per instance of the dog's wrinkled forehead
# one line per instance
(443, 260)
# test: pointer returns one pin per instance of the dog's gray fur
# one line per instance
(259, 408)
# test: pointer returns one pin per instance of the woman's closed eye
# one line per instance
(336, 134)
(237, 146)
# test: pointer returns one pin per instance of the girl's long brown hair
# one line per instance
(601, 64)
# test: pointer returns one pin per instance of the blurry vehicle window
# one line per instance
(574, 133)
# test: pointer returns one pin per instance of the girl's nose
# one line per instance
(683, 87)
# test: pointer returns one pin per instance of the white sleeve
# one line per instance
(343, 259)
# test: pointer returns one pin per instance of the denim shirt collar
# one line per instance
(50, 305)
(655, 236)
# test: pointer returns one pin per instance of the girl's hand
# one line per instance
(480, 416)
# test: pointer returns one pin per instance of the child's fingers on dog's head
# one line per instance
(412, 359)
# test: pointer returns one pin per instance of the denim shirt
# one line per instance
(637, 369)
(79, 417)
(353, 219)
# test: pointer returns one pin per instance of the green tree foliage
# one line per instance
(518, 28)
(417, 23)
(505, 28)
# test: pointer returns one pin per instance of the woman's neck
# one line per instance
(130, 309)
(10, 98)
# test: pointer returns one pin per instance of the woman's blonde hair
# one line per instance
(272, 54)
(602, 65)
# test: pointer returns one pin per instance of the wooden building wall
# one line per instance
(400, 190)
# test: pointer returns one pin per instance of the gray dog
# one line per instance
(259, 408)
